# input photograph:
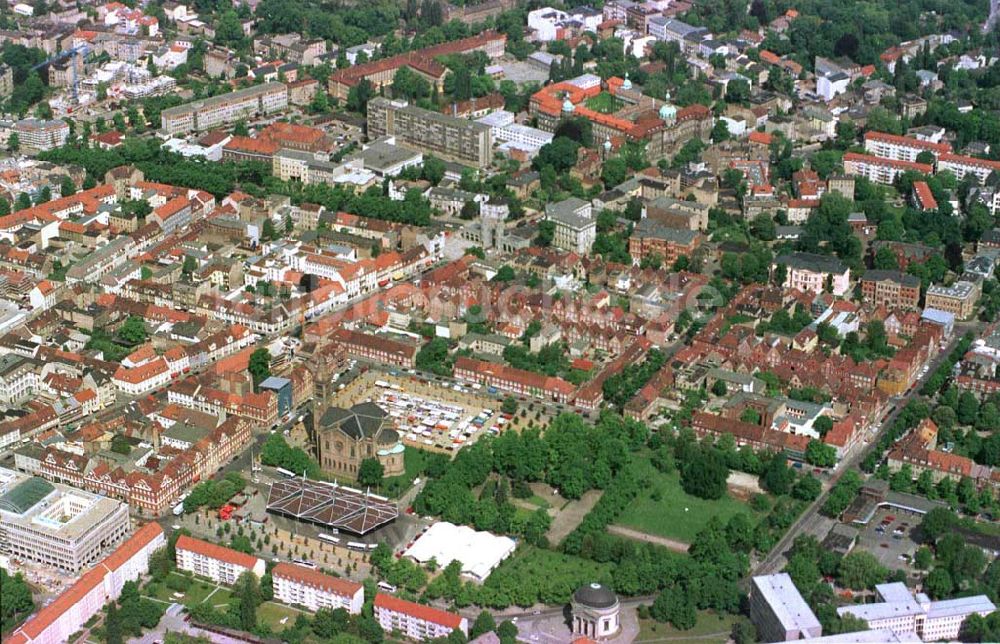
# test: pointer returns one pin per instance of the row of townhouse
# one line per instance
(918, 450)
(364, 346)
(260, 409)
(151, 492)
(516, 381)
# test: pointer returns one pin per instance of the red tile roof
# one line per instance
(310, 577)
(908, 141)
(925, 198)
(215, 551)
(902, 165)
(419, 611)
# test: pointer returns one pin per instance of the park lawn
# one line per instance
(706, 631)
(536, 500)
(604, 103)
(414, 462)
(272, 613)
(667, 517)
(197, 592)
(220, 599)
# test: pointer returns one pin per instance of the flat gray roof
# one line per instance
(784, 599)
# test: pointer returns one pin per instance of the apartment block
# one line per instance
(650, 238)
(901, 148)
(416, 621)
(298, 585)
(959, 299)
(575, 226)
(251, 102)
(891, 289)
(38, 136)
(961, 165)
(880, 170)
(66, 615)
(448, 137)
(220, 564)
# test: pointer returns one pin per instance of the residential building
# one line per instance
(376, 349)
(814, 273)
(218, 563)
(891, 289)
(250, 102)
(6, 81)
(36, 135)
(66, 615)
(652, 239)
(300, 586)
(57, 525)
(880, 170)
(517, 381)
(779, 612)
(451, 138)
(901, 148)
(958, 299)
(416, 621)
(961, 165)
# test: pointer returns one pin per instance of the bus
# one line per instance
(305, 563)
(179, 509)
(288, 473)
(328, 538)
(354, 545)
(386, 587)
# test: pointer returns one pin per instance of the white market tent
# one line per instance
(479, 552)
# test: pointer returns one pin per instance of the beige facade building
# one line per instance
(346, 437)
(224, 109)
(959, 299)
(450, 138)
(57, 525)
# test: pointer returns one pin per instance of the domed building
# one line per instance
(596, 612)
(668, 112)
(345, 437)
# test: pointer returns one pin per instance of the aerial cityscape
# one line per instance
(497, 321)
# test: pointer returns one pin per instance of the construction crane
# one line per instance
(80, 51)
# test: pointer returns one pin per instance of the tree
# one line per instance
(68, 188)
(939, 584)
(704, 474)
(269, 231)
(674, 607)
(719, 388)
(820, 454)
(936, 523)
(808, 488)
(860, 570)
(113, 625)
(247, 591)
(614, 172)
(15, 600)
(507, 632)
(484, 624)
(120, 444)
(509, 405)
(133, 331)
(777, 477)
(260, 365)
(370, 472)
(190, 265)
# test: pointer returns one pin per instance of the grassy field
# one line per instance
(196, 594)
(272, 613)
(604, 103)
(708, 630)
(677, 515)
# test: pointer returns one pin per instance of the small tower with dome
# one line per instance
(668, 113)
(626, 84)
(568, 106)
(596, 612)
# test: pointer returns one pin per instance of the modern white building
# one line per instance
(830, 85)
(298, 585)
(57, 525)
(218, 563)
(478, 552)
(902, 612)
(961, 165)
(779, 612)
(881, 170)
(416, 621)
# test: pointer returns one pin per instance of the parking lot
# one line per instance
(889, 537)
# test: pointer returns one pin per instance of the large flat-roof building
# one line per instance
(778, 610)
(901, 612)
(204, 114)
(959, 299)
(57, 525)
(479, 552)
(451, 138)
